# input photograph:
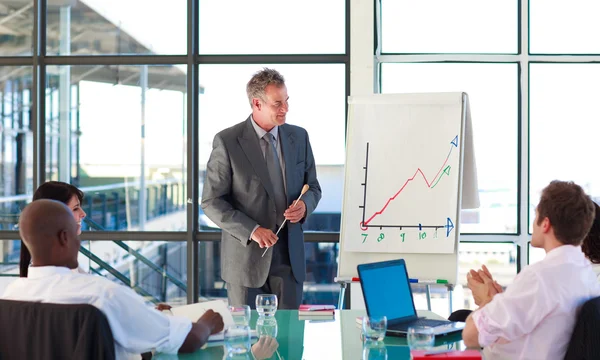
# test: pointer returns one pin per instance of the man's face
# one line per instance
(275, 105)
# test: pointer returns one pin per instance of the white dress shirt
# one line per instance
(136, 327)
(260, 132)
(535, 316)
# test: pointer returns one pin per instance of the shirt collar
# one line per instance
(261, 132)
(36, 272)
(564, 250)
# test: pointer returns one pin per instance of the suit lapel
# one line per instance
(289, 151)
(249, 142)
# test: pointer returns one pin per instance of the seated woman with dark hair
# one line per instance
(59, 191)
(591, 244)
(72, 197)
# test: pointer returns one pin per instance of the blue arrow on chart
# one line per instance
(449, 226)
(455, 141)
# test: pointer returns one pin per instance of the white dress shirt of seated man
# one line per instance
(49, 230)
(535, 316)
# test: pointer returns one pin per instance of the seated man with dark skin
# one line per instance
(48, 229)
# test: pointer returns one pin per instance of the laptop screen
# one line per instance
(387, 291)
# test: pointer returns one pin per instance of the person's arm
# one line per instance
(511, 314)
(299, 211)
(139, 328)
(217, 192)
(210, 323)
(313, 195)
(470, 334)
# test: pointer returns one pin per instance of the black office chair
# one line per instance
(54, 331)
(460, 315)
(585, 340)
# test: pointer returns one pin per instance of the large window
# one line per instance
(272, 27)
(563, 113)
(106, 97)
(16, 28)
(107, 27)
(135, 132)
(16, 143)
(559, 29)
(320, 109)
(433, 26)
(532, 101)
(118, 132)
(493, 99)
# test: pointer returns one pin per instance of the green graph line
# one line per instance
(446, 171)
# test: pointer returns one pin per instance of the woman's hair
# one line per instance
(591, 243)
(53, 190)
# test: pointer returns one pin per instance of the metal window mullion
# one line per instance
(192, 152)
(475, 58)
(523, 138)
(378, 60)
(272, 59)
(117, 60)
(347, 71)
(38, 89)
(16, 61)
(491, 238)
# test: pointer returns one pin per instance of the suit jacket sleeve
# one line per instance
(313, 195)
(216, 195)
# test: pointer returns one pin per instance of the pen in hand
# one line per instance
(304, 190)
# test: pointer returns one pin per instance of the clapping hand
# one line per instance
(482, 285)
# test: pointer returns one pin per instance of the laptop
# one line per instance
(386, 290)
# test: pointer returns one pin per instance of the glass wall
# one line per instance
(16, 28)
(114, 104)
(493, 100)
(104, 104)
(320, 109)
(16, 142)
(112, 27)
(127, 152)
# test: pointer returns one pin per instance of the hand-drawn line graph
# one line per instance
(444, 169)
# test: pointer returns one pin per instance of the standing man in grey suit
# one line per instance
(256, 170)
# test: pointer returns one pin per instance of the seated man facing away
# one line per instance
(50, 233)
(535, 316)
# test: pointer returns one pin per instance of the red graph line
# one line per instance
(406, 183)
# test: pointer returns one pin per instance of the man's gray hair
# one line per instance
(260, 80)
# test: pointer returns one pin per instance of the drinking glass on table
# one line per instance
(240, 314)
(420, 337)
(267, 326)
(374, 351)
(266, 305)
(237, 339)
(374, 328)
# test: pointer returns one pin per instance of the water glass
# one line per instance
(266, 305)
(267, 327)
(237, 339)
(420, 337)
(374, 351)
(240, 314)
(374, 328)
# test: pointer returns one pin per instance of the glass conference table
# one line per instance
(339, 338)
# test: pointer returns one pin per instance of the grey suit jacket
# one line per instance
(238, 195)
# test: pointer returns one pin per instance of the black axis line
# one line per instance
(366, 168)
(364, 206)
(407, 226)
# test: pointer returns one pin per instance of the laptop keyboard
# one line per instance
(420, 322)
